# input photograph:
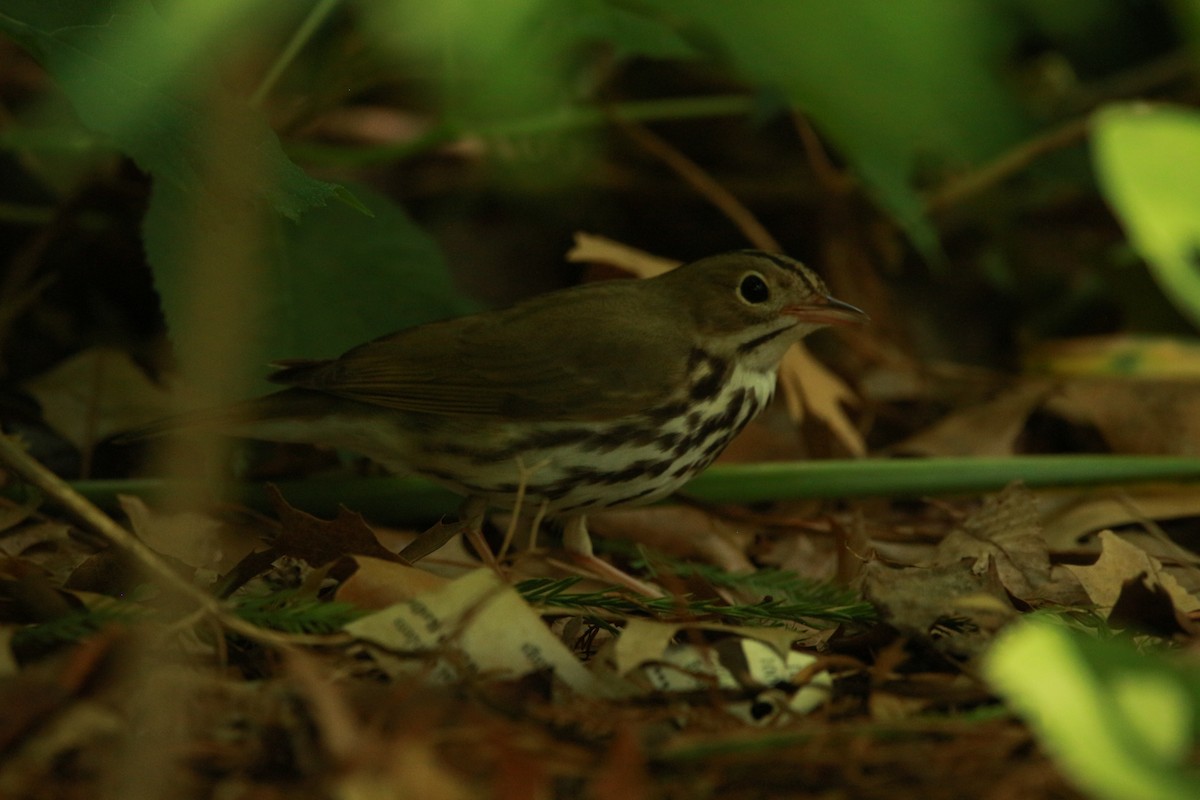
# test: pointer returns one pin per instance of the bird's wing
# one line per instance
(521, 363)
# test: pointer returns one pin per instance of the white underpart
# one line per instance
(541, 468)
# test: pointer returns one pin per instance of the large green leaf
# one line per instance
(897, 86)
(334, 279)
(145, 77)
(1148, 163)
(1120, 723)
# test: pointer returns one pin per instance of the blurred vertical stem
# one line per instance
(313, 21)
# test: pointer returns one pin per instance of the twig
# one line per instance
(695, 176)
(32, 472)
(305, 32)
(1146, 77)
(1009, 163)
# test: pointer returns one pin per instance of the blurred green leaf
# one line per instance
(1148, 160)
(1122, 724)
(141, 75)
(898, 87)
(628, 32)
(333, 280)
(504, 61)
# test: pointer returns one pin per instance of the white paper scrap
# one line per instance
(487, 624)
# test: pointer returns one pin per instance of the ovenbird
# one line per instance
(601, 395)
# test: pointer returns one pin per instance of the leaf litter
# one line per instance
(549, 698)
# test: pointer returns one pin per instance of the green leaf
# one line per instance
(1120, 723)
(629, 32)
(333, 280)
(144, 79)
(1148, 160)
(897, 86)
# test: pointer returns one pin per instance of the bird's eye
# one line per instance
(753, 288)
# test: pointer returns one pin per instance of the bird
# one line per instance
(598, 396)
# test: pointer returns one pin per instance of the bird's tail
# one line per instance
(260, 418)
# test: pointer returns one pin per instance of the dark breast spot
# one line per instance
(706, 375)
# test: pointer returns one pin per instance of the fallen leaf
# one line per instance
(1003, 533)
(809, 384)
(1122, 563)
(681, 531)
(1119, 355)
(987, 429)
(592, 249)
(952, 605)
(1070, 515)
(97, 393)
(199, 540)
(319, 541)
(1152, 417)
(378, 584)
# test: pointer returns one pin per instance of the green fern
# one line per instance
(77, 625)
(289, 612)
(767, 581)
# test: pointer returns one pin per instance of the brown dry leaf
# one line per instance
(958, 608)
(97, 393)
(1003, 532)
(198, 540)
(370, 765)
(592, 249)
(13, 513)
(29, 594)
(378, 583)
(39, 534)
(1122, 563)
(681, 531)
(988, 429)
(1118, 355)
(1152, 417)
(807, 384)
(1070, 515)
(319, 541)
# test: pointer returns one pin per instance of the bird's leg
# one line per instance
(576, 537)
(470, 518)
(578, 544)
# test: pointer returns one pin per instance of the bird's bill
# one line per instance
(828, 311)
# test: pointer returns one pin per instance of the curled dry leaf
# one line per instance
(592, 249)
(1122, 563)
(1068, 516)
(198, 540)
(378, 583)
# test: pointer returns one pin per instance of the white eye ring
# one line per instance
(753, 289)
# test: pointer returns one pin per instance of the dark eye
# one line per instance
(753, 288)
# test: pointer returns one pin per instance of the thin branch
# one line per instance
(696, 177)
(292, 49)
(55, 488)
(1006, 165)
